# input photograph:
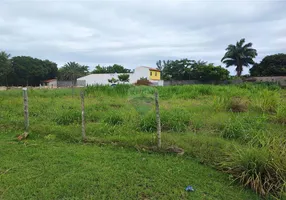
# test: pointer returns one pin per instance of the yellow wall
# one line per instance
(155, 75)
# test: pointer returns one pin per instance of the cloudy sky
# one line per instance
(138, 32)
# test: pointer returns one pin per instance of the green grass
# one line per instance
(213, 124)
(39, 169)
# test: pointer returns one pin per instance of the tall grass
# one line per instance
(240, 128)
(262, 169)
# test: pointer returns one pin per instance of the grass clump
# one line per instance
(280, 115)
(262, 170)
(114, 119)
(174, 120)
(68, 117)
(243, 128)
(267, 101)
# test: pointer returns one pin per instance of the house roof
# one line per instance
(49, 80)
(152, 69)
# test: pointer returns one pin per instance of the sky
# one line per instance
(139, 32)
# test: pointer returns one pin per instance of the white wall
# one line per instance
(52, 84)
(140, 72)
(102, 79)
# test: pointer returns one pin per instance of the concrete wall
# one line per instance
(102, 79)
(2, 88)
(140, 72)
(53, 84)
(81, 83)
(64, 83)
(281, 80)
(181, 82)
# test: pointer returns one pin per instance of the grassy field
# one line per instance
(231, 135)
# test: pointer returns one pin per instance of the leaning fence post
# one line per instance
(26, 111)
(158, 120)
(82, 117)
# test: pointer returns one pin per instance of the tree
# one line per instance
(110, 69)
(177, 69)
(31, 71)
(124, 77)
(239, 55)
(71, 71)
(159, 64)
(209, 72)
(112, 81)
(186, 69)
(5, 67)
(272, 65)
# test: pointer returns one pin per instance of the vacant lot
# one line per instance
(227, 133)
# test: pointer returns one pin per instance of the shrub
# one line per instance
(238, 104)
(143, 82)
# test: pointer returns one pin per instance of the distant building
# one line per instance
(153, 75)
(51, 83)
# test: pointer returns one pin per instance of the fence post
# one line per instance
(158, 120)
(82, 116)
(26, 111)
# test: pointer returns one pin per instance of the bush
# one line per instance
(238, 104)
(143, 82)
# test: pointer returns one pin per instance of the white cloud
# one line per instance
(137, 32)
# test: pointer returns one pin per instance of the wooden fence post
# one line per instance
(26, 111)
(158, 120)
(82, 116)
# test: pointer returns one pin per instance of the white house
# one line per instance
(51, 83)
(153, 75)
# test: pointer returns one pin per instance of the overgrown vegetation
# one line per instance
(237, 129)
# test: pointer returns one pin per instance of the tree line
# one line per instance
(239, 55)
(26, 70)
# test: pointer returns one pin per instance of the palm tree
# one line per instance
(239, 55)
(71, 71)
(5, 66)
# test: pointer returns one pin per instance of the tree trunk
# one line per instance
(6, 80)
(238, 70)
